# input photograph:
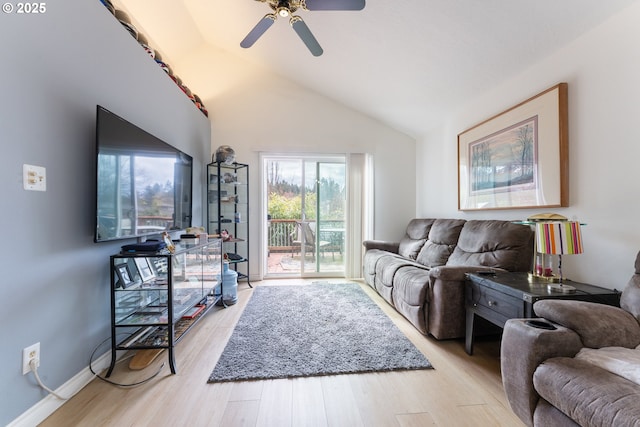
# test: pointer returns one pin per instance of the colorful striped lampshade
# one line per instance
(559, 237)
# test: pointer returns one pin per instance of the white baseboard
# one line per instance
(47, 406)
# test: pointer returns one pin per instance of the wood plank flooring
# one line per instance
(462, 390)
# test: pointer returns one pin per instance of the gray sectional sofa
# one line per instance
(422, 275)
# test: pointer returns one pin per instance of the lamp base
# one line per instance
(533, 277)
(559, 287)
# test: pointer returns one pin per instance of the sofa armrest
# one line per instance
(382, 245)
(598, 325)
(453, 273)
(446, 313)
(523, 348)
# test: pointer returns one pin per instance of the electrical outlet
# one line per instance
(30, 353)
(34, 178)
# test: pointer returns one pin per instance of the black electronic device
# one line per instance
(150, 246)
(143, 184)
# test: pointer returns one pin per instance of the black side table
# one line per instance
(501, 296)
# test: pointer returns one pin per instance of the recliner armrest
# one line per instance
(522, 350)
(382, 245)
(598, 325)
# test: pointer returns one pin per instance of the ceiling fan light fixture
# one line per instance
(283, 11)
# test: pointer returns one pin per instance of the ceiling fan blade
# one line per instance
(305, 34)
(258, 30)
(335, 4)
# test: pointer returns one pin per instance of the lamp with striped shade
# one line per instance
(559, 238)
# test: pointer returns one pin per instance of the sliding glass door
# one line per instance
(305, 203)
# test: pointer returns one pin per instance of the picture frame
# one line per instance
(145, 269)
(519, 158)
(125, 279)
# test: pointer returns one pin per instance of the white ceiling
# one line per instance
(407, 63)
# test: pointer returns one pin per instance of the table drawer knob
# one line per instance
(492, 303)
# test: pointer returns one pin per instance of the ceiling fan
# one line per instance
(286, 8)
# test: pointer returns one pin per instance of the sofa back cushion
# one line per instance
(415, 236)
(494, 243)
(630, 299)
(441, 242)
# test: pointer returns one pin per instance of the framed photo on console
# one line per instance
(124, 275)
(518, 158)
(144, 268)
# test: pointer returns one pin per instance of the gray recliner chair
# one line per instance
(584, 371)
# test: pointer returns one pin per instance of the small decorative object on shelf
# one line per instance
(125, 21)
(228, 208)
(167, 241)
(109, 6)
(225, 154)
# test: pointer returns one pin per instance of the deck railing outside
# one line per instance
(280, 230)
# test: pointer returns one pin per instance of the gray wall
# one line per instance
(55, 68)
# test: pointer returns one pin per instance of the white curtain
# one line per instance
(359, 210)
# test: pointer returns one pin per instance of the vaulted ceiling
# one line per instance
(407, 63)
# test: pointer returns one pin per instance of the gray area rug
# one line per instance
(316, 329)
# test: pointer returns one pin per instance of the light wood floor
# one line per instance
(462, 390)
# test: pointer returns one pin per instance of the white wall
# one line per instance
(55, 280)
(254, 111)
(602, 69)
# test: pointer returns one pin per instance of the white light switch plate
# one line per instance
(34, 178)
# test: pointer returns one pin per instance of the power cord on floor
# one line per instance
(33, 364)
(131, 385)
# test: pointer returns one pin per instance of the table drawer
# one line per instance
(481, 297)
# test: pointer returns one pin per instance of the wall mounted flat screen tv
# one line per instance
(143, 184)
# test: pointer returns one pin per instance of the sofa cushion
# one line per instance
(630, 299)
(386, 269)
(441, 242)
(621, 361)
(410, 295)
(414, 238)
(547, 415)
(587, 394)
(494, 243)
(370, 260)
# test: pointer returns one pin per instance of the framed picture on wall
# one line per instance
(518, 158)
